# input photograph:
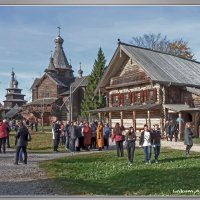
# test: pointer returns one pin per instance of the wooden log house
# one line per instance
(144, 86)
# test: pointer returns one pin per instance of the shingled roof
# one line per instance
(36, 81)
(13, 112)
(78, 82)
(160, 67)
(43, 101)
(59, 57)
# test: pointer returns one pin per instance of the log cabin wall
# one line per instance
(132, 86)
(34, 94)
(195, 100)
(173, 95)
(47, 89)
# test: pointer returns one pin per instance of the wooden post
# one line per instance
(149, 119)
(134, 120)
(162, 126)
(89, 117)
(99, 114)
(180, 127)
(110, 119)
(121, 115)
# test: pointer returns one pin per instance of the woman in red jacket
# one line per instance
(118, 137)
(87, 136)
(3, 136)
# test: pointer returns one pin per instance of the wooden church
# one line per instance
(58, 93)
(144, 86)
(14, 99)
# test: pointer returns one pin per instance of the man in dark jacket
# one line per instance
(22, 138)
(73, 131)
(67, 135)
(156, 141)
(57, 132)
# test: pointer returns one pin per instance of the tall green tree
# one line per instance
(91, 102)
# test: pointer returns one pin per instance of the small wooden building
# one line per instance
(146, 86)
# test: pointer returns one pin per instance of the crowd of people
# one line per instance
(76, 136)
(86, 136)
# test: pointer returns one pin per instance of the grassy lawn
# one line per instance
(103, 173)
(196, 140)
(41, 142)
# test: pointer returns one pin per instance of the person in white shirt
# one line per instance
(146, 140)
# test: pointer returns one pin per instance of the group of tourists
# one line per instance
(86, 136)
(22, 137)
(81, 136)
(147, 139)
(171, 130)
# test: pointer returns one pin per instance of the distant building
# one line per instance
(51, 93)
(14, 99)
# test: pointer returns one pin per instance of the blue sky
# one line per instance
(28, 32)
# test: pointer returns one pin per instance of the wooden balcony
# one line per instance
(128, 83)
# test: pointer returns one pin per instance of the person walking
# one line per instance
(62, 134)
(56, 135)
(87, 136)
(100, 139)
(156, 141)
(21, 142)
(79, 137)
(67, 135)
(188, 134)
(146, 140)
(130, 144)
(21, 156)
(8, 129)
(167, 129)
(117, 136)
(73, 132)
(94, 136)
(173, 130)
(3, 136)
(106, 135)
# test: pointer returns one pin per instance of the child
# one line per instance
(130, 144)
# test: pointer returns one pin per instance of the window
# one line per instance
(150, 95)
(127, 99)
(137, 97)
(115, 99)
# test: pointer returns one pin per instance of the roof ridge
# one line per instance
(156, 51)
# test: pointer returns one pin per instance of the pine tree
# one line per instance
(91, 102)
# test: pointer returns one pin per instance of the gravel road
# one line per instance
(26, 179)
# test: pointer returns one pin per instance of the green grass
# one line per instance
(196, 140)
(105, 174)
(41, 142)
